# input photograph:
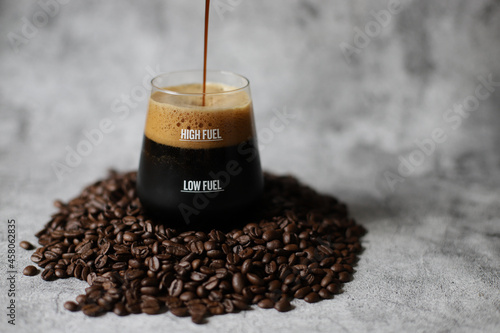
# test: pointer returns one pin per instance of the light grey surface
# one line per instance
(432, 253)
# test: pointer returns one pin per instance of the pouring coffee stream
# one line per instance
(205, 48)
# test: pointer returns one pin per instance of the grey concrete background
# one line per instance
(432, 254)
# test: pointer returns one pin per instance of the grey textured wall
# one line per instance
(361, 99)
(391, 105)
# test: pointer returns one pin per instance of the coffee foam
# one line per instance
(169, 114)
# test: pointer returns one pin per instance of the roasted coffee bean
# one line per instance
(198, 277)
(154, 264)
(150, 306)
(133, 308)
(120, 309)
(302, 292)
(180, 311)
(283, 305)
(326, 280)
(60, 273)
(133, 274)
(81, 299)
(324, 293)
(345, 277)
(270, 235)
(211, 284)
(26, 245)
(149, 290)
(240, 305)
(216, 295)
(337, 268)
(304, 247)
(48, 274)
(129, 236)
(238, 282)
(266, 303)
(36, 257)
(274, 245)
(150, 282)
(197, 312)
(255, 279)
(30, 270)
(229, 306)
(312, 297)
(71, 306)
(247, 265)
(216, 309)
(105, 304)
(176, 288)
(101, 261)
(333, 288)
(187, 296)
(92, 310)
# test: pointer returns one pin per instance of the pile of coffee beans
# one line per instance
(304, 247)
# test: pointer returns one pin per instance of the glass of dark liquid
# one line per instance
(200, 164)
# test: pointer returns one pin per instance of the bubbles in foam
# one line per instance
(170, 113)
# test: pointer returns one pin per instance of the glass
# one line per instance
(199, 163)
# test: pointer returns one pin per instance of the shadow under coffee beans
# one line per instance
(304, 246)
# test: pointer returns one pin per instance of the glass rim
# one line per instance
(246, 83)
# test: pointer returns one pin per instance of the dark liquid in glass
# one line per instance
(166, 171)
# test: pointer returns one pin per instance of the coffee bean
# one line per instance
(101, 261)
(302, 292)
(71, 306)
(304, 247)
(129, 236)
(60, 273)
(187, 296)
(120, 310)
(238, 282)
(133, 308)
(324, 293)
(30, 270)
(133, 274)
(274, 285)
(270, 235)
(180, 311)
(198, 277)
(150, 306)
(312, 297)
(345, 277)
(216, 309)
(48, 274)
(246, 253)
(176, 288)
(247, 265)
(149, 290)
(274, 245)
(105, 304)
(36, 257)
(257, 289)
(81, 299)
(197, 311)
(283, 305)
(26, 245)
(92, 310)
(289, 279)
(255, 279)
(333, 288)
(229, 306)
(337, 268)
(266, 303)
(240, 305)
(211, 284)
